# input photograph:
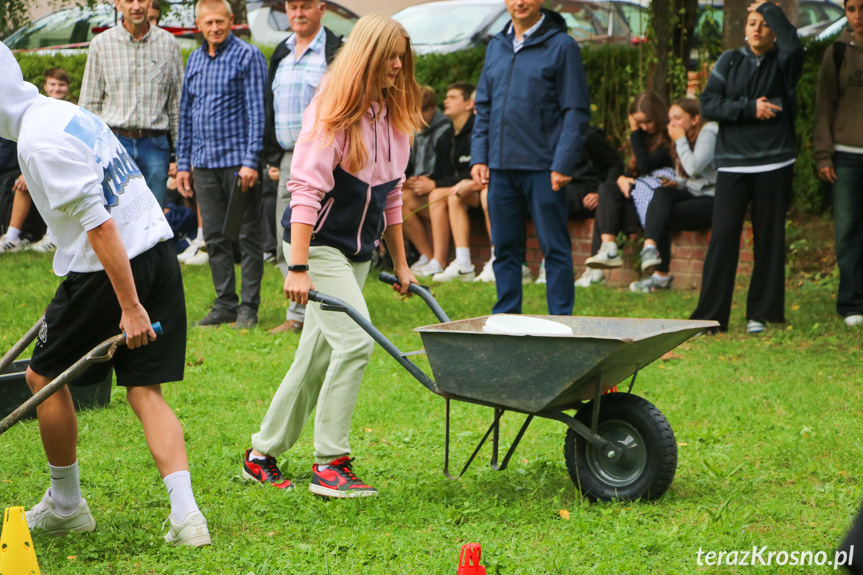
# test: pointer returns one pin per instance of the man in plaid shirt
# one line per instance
(221, 136)
(296, 68)
(132, 81)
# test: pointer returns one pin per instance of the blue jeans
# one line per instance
(848, 214)
(152, 156)
(512, 194)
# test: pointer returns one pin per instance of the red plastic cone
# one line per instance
(468, 563)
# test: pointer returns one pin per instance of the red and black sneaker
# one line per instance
(265, 472)
(338, 480)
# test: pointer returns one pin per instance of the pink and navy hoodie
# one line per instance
(348, 210)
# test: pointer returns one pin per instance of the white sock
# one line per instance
(65, 488)
(661, 280)
(492, 254)
(610, 248)
(12, 234)
(323, 467)
(462, 256)
(435, 262)
(200, 236)
(421, 261)
(179, 485)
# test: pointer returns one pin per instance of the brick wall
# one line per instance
(688, 250)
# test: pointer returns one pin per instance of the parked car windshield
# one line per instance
(69, 26)
(442, 24)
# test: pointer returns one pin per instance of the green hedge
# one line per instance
(614, 75)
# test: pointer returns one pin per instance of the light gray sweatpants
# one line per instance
(328, 366)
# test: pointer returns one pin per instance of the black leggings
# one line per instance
(675, 210)
(615, 212)
(770, 194)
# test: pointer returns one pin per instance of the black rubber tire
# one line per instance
(649, 463)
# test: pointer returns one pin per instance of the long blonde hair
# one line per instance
(357, 74)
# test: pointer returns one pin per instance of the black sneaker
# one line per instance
(216, 317)
(246, 319)
(264, 472)
(338, 480)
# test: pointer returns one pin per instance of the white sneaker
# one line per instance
(43, 516)
(419, 264)
(540, 278)
(603, 261)
(192, 531)
(194, 247)
(456, 271)
(650, 285)
(487, 273)
(590, 277)
(9, 246)
(526, 276)
(430, 269)
(755, 326)
(199, 259)
(854, 320)
(45, 245)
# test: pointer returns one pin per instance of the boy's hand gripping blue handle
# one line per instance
(157, 327)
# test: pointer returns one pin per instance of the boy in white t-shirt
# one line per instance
(120, 271)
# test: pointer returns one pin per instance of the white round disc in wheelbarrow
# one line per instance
(507, 324)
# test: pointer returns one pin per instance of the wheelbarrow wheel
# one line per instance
(649, 459)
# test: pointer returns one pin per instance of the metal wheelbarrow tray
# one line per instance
(618, 445)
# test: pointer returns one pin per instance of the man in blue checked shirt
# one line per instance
(221, 137)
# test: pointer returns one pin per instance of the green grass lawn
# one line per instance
(768, 430)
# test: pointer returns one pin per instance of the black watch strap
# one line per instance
(298, 268)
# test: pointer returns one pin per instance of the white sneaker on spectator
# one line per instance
(602, 260)
(526, 276)
(854, 320)
(456, 271)
(754, 326)
(419, 264)
(199, 259)
(487, 273)
(650, 284)
(191, 531)
(9, 246)
(45, 245)
(428, 270)
(590, 277)
(540, 278)
(194, 247)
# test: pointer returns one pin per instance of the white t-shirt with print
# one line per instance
(79, 175)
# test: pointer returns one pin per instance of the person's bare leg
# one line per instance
(162, 429)
(20, 208)
(412, 226)
(58, 424)
(483, 199)
(438, 212)
(458, 217)
(607, 238)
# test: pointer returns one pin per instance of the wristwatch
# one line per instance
(299, 268)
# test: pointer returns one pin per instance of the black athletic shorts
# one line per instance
(85, 312)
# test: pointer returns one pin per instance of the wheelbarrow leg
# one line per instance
(512, 447)
(22, 344)
(497, 416)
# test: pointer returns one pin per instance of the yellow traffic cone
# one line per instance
(17, 556)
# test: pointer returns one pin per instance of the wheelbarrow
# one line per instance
(618, 446)
(99, 354)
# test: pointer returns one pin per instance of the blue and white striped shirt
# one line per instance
(294, 87)
(222, 107)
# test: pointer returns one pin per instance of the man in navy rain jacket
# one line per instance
(532, 113)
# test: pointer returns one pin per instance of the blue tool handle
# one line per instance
(157, 327)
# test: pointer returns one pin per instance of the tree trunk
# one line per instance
(734, 25)
(673, 25)
(660, 14)
(239, 8)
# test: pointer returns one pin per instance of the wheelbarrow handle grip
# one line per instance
(422, 291)
(391, 279)
(157, 327)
